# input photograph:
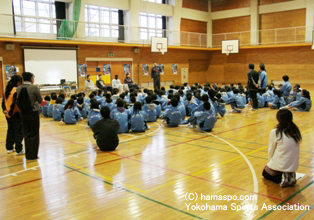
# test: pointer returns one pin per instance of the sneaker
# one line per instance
(22, 152)
(253, 109)
(148, 127)
(33, 159)
(190, 126)
(10, 151)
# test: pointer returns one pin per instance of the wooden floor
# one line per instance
(151, 174)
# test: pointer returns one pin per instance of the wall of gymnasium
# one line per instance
(296, 62)
(184, 58)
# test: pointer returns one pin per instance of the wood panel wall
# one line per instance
(196, 27)
(296, 62)
(267, 2)
(193, 26)
(219, 5)
(284, 19)
(201, 5)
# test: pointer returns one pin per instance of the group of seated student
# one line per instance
(133, 109)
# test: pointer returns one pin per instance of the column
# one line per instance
(131, 21)
(174, 36)
(209, 26)
(309, 20)
(6, 21)
(254, 22)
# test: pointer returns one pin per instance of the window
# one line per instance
(101, 21)
(37, 16)
(150, 26)
(156, 1)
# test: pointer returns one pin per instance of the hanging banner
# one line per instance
(162, 67)
(82, 68)
(107, 69)
(127, 69)
(174, 68)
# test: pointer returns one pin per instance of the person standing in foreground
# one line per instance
(253, 86)
(13, 117)
(156, 75)
(30, 118)
(283, 151)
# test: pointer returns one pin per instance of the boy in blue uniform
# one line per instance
(150, 109)
(109, 102)
(190, 104)
(106, 131)
(58, 110)
(278, 102)
(286, 88)
(44, 109)
(82, 107)
(122, 116)
(303, 104)
(173, 114)
(138, 119)
(205, 119)
(94, 114)
(52, 101)
(236, 102)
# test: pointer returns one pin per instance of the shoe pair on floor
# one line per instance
(22, 152)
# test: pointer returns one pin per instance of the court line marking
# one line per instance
(287, 199)
(75, 155)
(134, 193)
(304, 213)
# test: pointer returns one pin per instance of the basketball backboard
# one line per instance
(229, 46)
(159, 44)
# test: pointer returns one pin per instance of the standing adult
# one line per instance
(89, 83)
(12, 115)
(253, 86)
(30, 119)
(101, 84)
(156, 70)
(263, 78)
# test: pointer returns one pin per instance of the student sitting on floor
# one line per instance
(295, 95)
(181, 106)
(82, 107)
(94, 114)
(303, 104)
(236, 102)
(131, 107)
(52, 101)
(150, 109)
(64, 101)
(106, 131)
(172, 115)
(260, 98)
(58, 110)
(278, 102)
(205, 119)
(158, 105)
(221, 105)
(44, 106)
(71, 113)
(138, 119)
(109, 102)
(122, 116)
(190, 104)
(283, 151)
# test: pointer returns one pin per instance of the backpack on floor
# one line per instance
(24, 102)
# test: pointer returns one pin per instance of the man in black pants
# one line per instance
(30, 120)
(156, 70)
(253, 86)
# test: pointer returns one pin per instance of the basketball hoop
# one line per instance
(161, 51)
(228, 52)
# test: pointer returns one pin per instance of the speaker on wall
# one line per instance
(10, 46)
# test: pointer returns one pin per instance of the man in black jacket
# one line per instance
(106, 131)
(101, 84)
(253, 86)
(156, 70)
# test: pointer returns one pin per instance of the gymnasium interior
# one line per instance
(166, 172)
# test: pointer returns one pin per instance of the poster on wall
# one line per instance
(162, 67)
(82, 68)
(145, 68)
(10, 71)
(127, 69)
(107, 69)
(174, 68)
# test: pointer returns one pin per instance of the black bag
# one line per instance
(24, 102)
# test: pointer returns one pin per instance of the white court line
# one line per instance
(255, 181)
(75, 155)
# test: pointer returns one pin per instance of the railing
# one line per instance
(56, 29)
(292, 35)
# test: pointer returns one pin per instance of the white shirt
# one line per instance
(115, 83)
(90, 84)
(283, 154)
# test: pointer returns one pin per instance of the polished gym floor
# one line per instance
(157, 174)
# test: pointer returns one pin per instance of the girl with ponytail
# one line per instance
(12, 113)
(283, 150)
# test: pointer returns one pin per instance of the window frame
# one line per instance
(158, 32)
(113, 28)
(38, 21)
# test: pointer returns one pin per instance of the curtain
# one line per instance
(121, 28)
(60, 14)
